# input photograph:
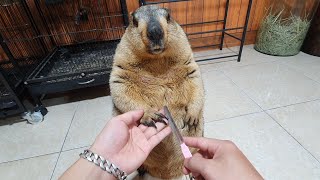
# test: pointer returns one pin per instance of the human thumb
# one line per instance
(195, 164)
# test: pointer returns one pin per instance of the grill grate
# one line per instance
(78, 59)
(3, 91)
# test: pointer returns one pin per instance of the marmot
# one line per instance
(153, 67)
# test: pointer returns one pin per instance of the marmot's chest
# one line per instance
(170, 78)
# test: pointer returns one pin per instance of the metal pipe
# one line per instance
(233, 36)
(224, 24)
(245, 30)
(207, 22)
(125, 13)
(159, 2)
(221, 57)
(221, 30)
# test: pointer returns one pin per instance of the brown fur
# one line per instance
(141, 80)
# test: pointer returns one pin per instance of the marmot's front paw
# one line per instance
(151, 117)
(191, 120)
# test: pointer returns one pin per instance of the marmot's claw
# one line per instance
(160, 120)
(184, 125)
(149, 124)
(161, 115)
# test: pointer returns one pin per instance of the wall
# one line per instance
(210, 10)
(59, 20)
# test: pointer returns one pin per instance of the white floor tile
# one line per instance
(213, 64)
(274, 153)
(66, 159)
(37, 168)
(306, 64)
(223, 99)
(268, 80)
(274, 85)
(91, 116)
(22, 140)
(302, 122)
(249, 57)
(298, 60)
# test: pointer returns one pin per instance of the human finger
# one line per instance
(204, 144)
(158, 137)
(150, 131)
(196, 164)
(142, 127)
(185, 171)
(130, 117)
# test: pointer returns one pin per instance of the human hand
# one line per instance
(217, 159)
(126, 144)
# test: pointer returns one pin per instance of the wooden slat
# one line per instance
(242, 14)
(194, 15)
(233, 14)
(259, 14)
(253, 11)
(3, 56)
(59, 19)
(210, 13)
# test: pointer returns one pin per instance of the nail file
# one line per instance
(185, 150)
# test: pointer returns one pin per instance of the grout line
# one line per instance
(222, 119)
(265, 111)
(292, 136)
(29, 157)
(64, 141)
(245, 65)
(231, 60)
(300, 72)
(241, 90)
(258, 104)
(292, 104)
(74, 148)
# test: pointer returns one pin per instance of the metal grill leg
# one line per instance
(245, 30)
(224, 24)
(125, 12)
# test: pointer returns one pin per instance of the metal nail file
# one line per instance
(185, 150)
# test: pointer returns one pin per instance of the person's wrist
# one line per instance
(103, 151)
(95, 171)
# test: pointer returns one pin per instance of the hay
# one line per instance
(282, 37)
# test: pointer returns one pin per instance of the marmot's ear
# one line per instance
(134, 19)
(168, 14)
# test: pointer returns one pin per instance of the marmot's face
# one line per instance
(151, 23)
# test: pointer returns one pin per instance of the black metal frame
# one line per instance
(34, 79)
(16, 70)
(13, 71)
(8, 95)
(39, 85)
(224, 30)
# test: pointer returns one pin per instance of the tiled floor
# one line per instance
(269, 106)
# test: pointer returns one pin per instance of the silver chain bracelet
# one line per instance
(103, 164)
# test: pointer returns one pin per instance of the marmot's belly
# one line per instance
(158, 93)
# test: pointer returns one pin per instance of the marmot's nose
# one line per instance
(154, 31)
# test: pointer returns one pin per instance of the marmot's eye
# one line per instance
(135, 22)
(167, 13)
(134, 19)
(168, 17)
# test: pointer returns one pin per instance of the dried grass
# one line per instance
(282, 37)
